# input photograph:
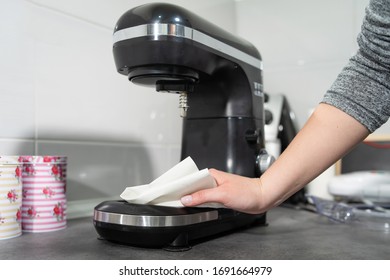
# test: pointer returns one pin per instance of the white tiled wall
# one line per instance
(60, 93)
(304, 45)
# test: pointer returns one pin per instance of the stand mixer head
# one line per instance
(218, 77)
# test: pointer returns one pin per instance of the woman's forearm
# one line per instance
(325, 138)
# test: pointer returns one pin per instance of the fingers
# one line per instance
(209, 195)
(200, 197)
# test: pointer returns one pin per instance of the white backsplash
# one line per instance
(61, 94)
(304, 45)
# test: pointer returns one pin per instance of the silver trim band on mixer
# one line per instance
(168, 29)
(155, 221)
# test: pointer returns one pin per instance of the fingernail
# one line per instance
(186, 199)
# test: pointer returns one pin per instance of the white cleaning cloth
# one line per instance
(182, 179)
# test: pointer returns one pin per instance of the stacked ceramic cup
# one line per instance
(10, 197)
(44, 193)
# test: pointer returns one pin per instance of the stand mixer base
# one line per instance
(171, 228)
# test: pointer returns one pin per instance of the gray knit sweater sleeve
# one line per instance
(362, 89)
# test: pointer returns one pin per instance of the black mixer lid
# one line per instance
(172, 19)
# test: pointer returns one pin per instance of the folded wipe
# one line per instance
(182, 179)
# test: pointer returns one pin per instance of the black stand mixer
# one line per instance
(219, 79)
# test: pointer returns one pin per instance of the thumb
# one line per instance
(200, 197)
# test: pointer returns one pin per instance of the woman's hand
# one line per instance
(233, 191)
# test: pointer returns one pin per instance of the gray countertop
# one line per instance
(290, 234)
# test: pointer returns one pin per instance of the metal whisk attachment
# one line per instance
(183, 104)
